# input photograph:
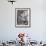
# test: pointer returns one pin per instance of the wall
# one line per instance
(8, 31)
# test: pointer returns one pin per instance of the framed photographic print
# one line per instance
(23, 17)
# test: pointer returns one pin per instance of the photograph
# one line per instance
(22, 17)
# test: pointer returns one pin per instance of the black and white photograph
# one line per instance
(23, 17)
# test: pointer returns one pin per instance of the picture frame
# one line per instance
(22, 17)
